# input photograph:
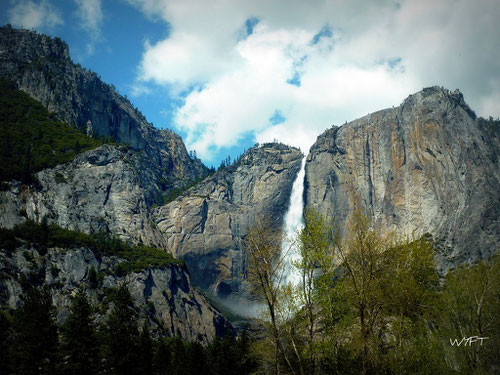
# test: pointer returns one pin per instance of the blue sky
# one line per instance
(228, 73)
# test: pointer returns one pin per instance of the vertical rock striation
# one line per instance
(427, 166)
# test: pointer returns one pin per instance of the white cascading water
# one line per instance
(294, 222)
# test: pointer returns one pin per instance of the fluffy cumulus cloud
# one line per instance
(34, 14)
(287, 70)
(90, 15)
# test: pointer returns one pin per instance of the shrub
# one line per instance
(41, 236)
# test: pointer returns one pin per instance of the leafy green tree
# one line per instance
(364, 257)
(79, 340)
(36, 345)
(266, 265)
(410, 298)
(471, 307)
(316, 260)
(122, 336)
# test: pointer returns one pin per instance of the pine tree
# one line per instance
(162, 359)
(178, 355)
(145, 351)
(121, 336)
(79, 338)
(92, 278)
(35, 347)
(5, 342)
(246, 363)
(196, 362)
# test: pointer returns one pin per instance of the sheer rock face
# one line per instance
(105, 189)
(428, 166)
(207, 225)
(163, 296)
(41, 66)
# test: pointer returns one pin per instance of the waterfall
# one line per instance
(293, 223)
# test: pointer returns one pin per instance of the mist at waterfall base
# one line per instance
(294, 222)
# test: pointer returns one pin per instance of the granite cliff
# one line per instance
(427, 166)
(105, 189)
(207, 224)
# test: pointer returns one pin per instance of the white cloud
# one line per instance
(372, 55)
(138, 89)
(30, 14)
(90, 14)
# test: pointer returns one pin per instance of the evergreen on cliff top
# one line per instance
(32, 138)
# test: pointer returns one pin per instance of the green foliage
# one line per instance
(224, 356)
(471, 307)
(79, 338)
(141, 257)
(93, 280)
(162, 359)
(370, 304)
(5, 341)
(32, 138)
(316, 253)
(42, 236)
(7, 240)
(145, 352)
(35, 347)
(122, 336)
(30, 341)
(411, 282)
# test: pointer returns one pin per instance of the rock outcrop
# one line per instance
(163, 297)
(206, 225)
(427, 166)
(102, 190)
(41, 66)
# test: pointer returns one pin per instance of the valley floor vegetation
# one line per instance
(371, 304)
(365, 304)
(32, 343)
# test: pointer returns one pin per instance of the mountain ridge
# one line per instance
(41, 66)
